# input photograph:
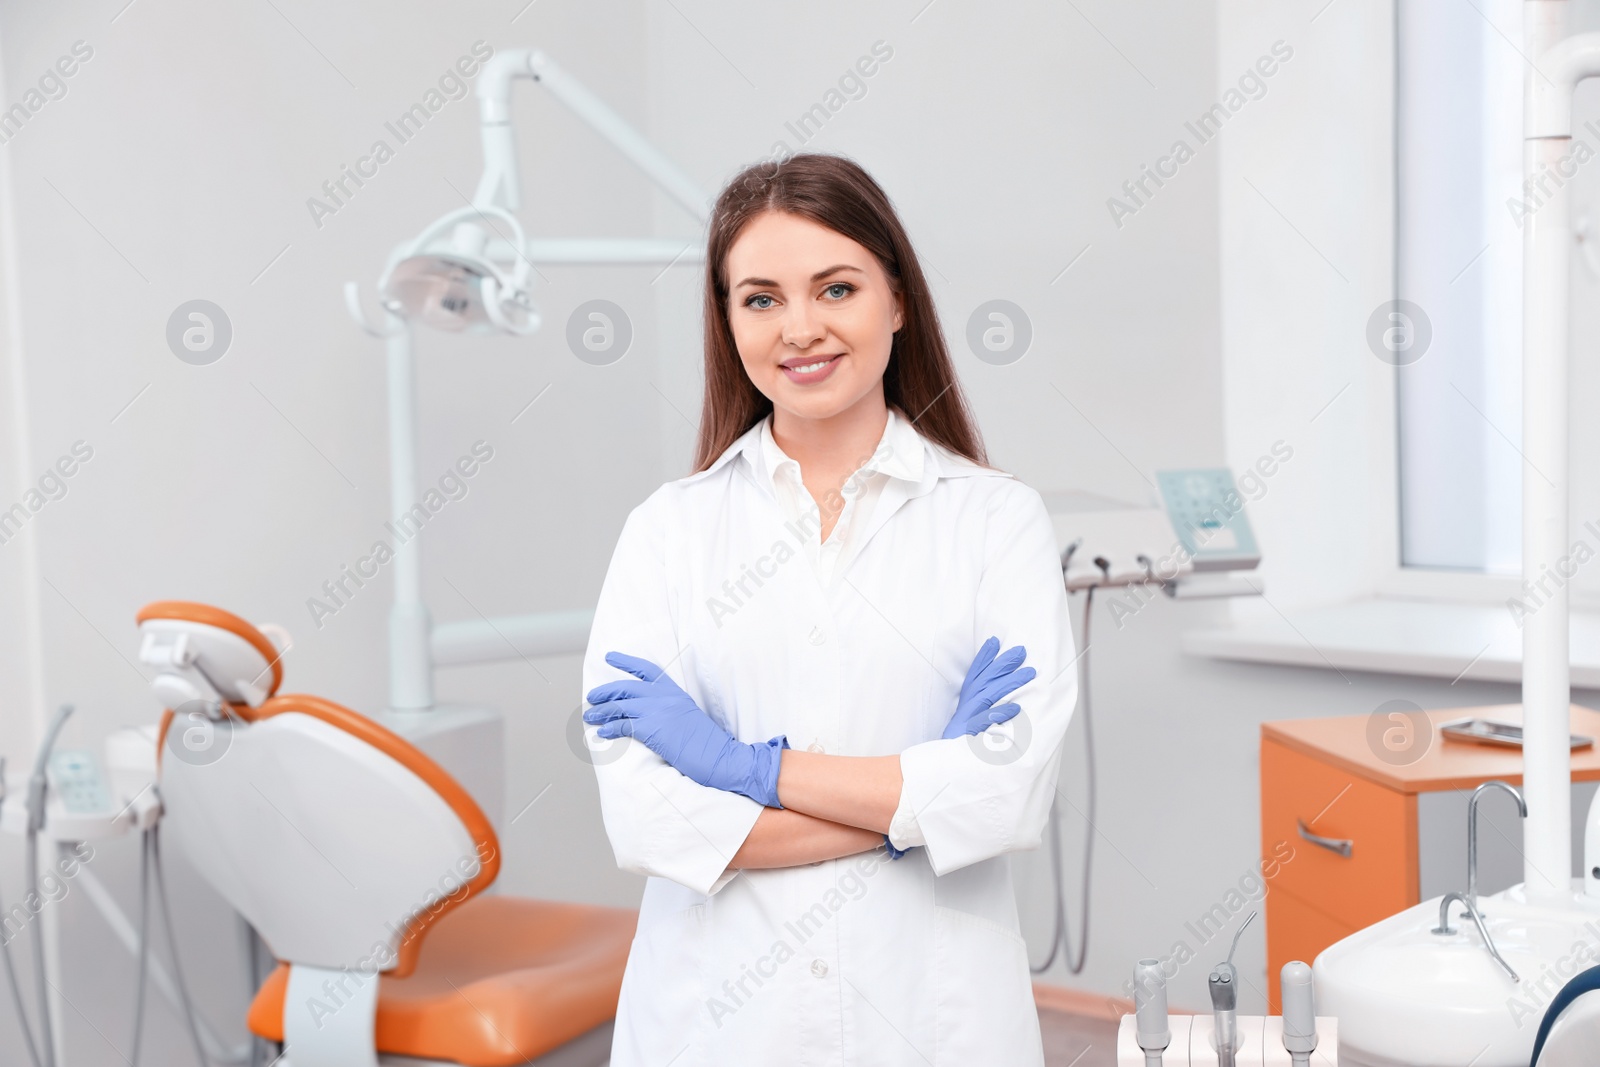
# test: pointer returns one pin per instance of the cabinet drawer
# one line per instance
(1377, 879)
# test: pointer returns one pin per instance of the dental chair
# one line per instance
(364, 868)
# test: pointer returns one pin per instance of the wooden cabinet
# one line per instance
(1333, 779)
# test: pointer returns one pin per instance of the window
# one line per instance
(1456, 330)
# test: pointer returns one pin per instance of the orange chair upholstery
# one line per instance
(498, 981)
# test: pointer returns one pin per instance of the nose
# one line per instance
(801, 327)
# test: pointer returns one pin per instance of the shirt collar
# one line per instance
(911, 456)
(899, 453)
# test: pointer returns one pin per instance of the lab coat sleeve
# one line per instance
(659, 822)
(968, 799)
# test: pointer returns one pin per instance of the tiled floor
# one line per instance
(1077, 1040)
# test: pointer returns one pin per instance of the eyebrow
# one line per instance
(817, 277)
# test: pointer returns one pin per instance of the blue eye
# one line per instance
(846, 286)
(759, 296)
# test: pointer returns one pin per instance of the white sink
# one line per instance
(1406, 996)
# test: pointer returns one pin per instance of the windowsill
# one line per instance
(1475, 642)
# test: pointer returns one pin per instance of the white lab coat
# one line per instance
(859, 960)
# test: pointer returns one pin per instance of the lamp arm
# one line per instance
(499, 186)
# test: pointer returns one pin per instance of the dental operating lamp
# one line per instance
(471, 271)
(458, 287)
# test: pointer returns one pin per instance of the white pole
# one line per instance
(410, 626)
(1546, 672)
(1558, 65)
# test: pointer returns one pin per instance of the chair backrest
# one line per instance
(337, 840)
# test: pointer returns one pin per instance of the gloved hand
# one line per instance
(989, 679)
(655, 711)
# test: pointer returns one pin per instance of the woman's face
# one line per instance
(812, 313)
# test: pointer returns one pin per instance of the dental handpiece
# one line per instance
(1224, 986)
(1150, 1011)
(1224, 1000)
(1299, 1013)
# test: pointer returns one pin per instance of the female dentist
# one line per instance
(792, 737)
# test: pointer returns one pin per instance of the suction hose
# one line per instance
(38, 786)
(1062, 937)
(172, 946)
(11, 974)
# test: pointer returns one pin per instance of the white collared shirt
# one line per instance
(898, 455)
(856, 960)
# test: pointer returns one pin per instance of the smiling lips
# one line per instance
(807, 370)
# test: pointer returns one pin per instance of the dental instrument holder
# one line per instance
(1149, 1036)
(1299, 1013)
(1224, 987)
(1150, 1009)
(1139, 545)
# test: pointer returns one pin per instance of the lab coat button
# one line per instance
(817, 636)
(819, 968)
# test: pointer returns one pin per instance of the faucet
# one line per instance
(1444, 927)
(1472, 838)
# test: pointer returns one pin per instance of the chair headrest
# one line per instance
(207, 654)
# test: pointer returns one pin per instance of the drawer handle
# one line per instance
(1342, 845)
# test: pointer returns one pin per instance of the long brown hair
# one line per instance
(835, 192)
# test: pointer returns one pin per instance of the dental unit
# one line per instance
(1415, 989)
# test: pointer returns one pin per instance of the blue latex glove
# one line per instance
(990, 678)
(655, 711)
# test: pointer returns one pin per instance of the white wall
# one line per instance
(1198, 332)
(178, 166)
